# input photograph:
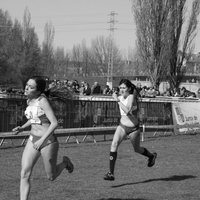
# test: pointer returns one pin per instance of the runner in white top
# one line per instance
(42, 141)
(129, 125)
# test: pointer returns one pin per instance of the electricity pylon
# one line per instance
(110, 53)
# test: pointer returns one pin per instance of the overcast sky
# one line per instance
(78, 20)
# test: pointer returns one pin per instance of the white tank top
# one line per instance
(125, 102)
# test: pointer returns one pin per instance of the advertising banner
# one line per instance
(155, 113)
(186, 114)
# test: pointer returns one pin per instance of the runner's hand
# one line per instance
(17, 129)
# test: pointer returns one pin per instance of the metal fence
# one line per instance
(81, 111)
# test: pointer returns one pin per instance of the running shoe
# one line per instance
(109, 177)
(152, 160)
(70, 166)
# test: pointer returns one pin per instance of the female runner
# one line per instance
(42, 140)
(129, 126)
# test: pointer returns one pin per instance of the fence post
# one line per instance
(143, 131)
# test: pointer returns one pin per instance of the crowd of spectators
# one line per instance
(84, 88)
(179, 92)
(10, 90)
(74, 87)
(149, 92)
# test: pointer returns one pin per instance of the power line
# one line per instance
(80, 23)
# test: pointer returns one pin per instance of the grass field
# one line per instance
(175, 176)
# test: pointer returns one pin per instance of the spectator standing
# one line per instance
(139, 88)
(106, 90)
(115, 90)
(177, 92)
(82, 88)
(77, 88)
(184, 92)
(87, 90)
(143, 92)
(156, 89)
(151, 92)
(96, 88)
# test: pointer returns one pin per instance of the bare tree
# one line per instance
(5, 50)
(48, 50)
(59, 58)
(159, 29)
(85, 59)
(151, 22)
(67, 63)
(77, 58)
(99, 54)
(20, 51)
(16, 46)
(30, 55)
(181, 50)
(135, 65)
